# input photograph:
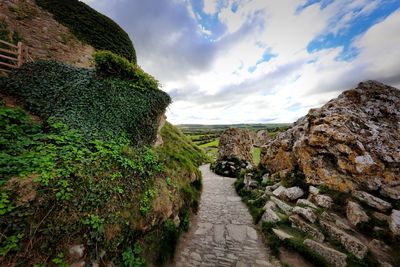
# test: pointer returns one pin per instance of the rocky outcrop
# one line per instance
(350, 142)
(46, 38)
(235, 152)
(161, 122)
(236, 143)
(261, 138)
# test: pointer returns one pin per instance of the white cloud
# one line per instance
(210, 6)
(210, 82)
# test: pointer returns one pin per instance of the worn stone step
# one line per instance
(333, 256)
(351, 243)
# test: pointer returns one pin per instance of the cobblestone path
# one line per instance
(222, 234)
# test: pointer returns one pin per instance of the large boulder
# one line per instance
(235, 152)
(350, 142)
(237, 143)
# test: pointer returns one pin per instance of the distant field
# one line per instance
(207, 136)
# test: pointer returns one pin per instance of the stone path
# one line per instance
(222, 234)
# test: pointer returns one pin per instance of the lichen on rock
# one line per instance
(351, 142)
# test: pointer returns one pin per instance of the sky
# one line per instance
(259, 61)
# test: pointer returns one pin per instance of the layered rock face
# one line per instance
(351, 142)
(236, 143)
(235, 152)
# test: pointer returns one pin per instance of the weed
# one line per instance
(133, 258)
(59, 260)
(145, 202)
(10, 244)
(5, 204)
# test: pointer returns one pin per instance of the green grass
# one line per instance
(213, 143)
(256, 155)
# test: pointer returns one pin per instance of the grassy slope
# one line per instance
(58, 187)
(90, 26)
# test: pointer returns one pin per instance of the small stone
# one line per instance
(392, 192)
(270, 205)
(177, 221)
(286, 208)
(394, 222)
(376, 244)
(237, 232)
(271, 188)
(313, 190)
(303, 226)
(305, 202)
(380, 216)
(78, 264)
(279, 191)
(323, 201)
(306, 213)
(333, 256)
(76, 252)
(355, 213)
(270, 216)
(372, 201)
(251, 233)
(294, 193)
(281, 234)
(195, 256)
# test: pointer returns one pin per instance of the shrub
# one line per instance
(99, 108)
(91, 27)
(109, 64)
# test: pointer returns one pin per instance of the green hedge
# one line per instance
(79, 98)
(90, 26)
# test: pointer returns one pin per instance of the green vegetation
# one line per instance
(82, 172)
(57, 186)
(98, 107)
(91, 27)
(76, 182)
(109, 64)
(253, 198)
(256, 155)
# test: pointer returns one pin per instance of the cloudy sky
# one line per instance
(259, 61)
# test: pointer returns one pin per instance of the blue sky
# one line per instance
(238, 61)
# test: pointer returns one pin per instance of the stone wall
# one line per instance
(47, 38)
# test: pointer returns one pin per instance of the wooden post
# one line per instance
(20, 54)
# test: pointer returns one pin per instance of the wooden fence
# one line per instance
(13, 56)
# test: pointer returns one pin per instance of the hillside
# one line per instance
(61, 191)
(82, 181)
(67, 31)
(91, 26)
